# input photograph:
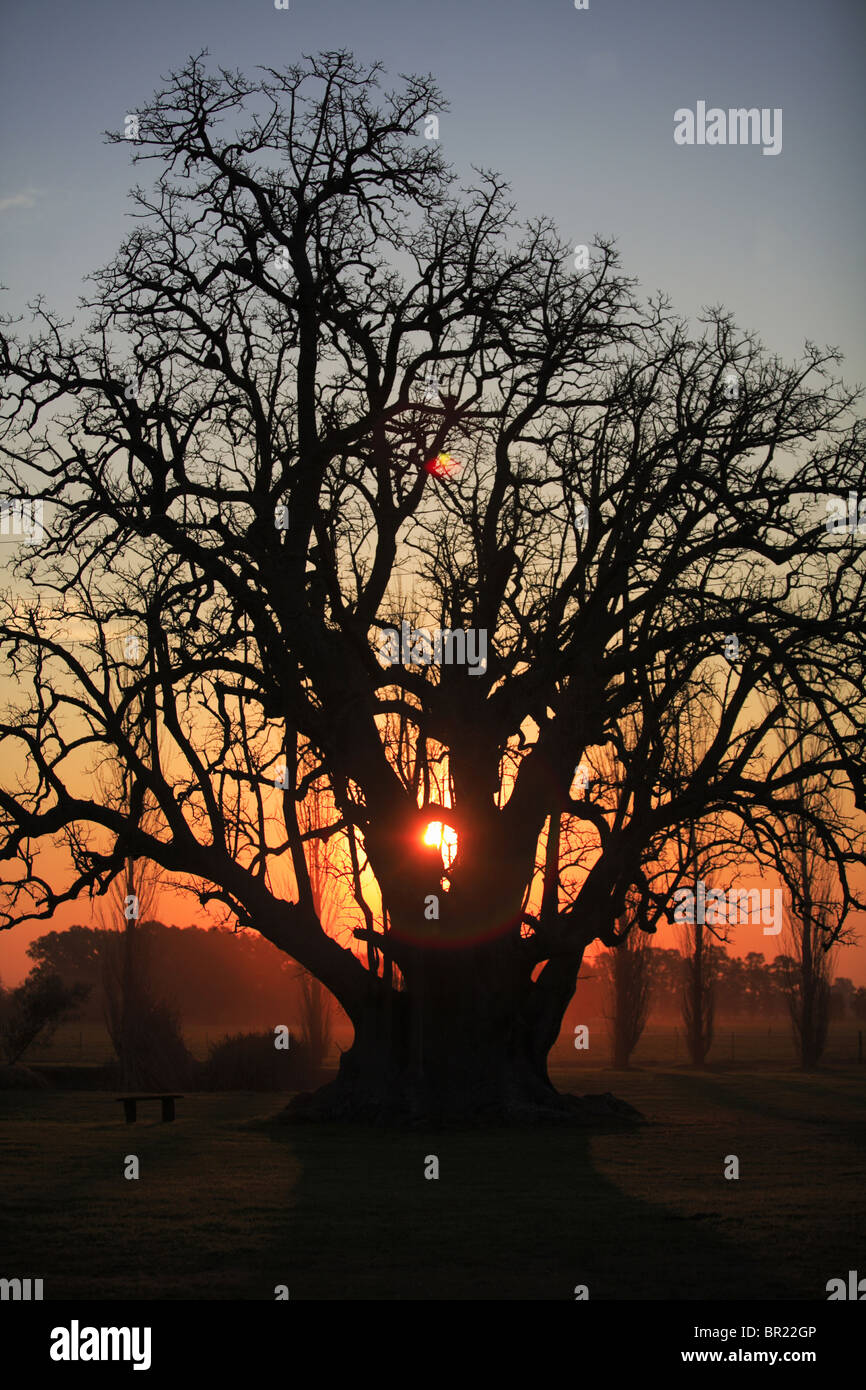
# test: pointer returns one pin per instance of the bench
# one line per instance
(130, 1102)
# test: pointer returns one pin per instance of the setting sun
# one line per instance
(441, 467)
(443, 838)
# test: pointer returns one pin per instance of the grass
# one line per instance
(87, 1043)
(741, 1041)
(229, 1205)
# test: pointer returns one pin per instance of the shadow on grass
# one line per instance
(780, 1096)
(513, 1215)
(231, 1203)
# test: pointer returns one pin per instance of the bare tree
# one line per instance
(814, 897)
(627, 970)
(145, 1031)
(35, 1009)
(698, 996)
(704, 849)
(808, 980)
(321, 391)
(325, 887)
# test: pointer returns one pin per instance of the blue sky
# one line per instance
(575, 108)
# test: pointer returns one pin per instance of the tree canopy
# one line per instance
(324, 390)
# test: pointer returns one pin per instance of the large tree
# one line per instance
(323, 390)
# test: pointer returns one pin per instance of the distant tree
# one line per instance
(858, 1003)
(756, 981)
(145, 1030)
(629, 979)
(807, 981)
(215, 975)
(698, 994)
(707, 850)
(815, 893)
(74, 954)
(843, 990)
(35, 1009)
(666, 973)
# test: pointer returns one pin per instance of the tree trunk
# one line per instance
(460, 1043)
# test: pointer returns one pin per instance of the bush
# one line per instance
(151, 1052)
(35, 1009)
(18, 1078)
(145, 1031)
(251, 1062)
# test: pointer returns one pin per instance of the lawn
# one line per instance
(229, 1205)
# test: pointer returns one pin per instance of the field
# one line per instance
(229, 1204)
(737, 1041)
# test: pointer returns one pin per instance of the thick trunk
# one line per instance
(455, 1046)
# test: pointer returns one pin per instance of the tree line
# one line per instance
(698, 985)
(211, 975)
(145, 984)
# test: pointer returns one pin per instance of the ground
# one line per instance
(228, 1205)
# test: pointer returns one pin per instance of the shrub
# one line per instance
(251, 1062)
(18, 1078)
(151, 1052)
(35, 1009)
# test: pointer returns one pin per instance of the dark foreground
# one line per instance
(229, 1208)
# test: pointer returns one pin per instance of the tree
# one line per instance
(316, 1002)
(809, 873)
(842, 992)
(35, 1008)
(145, 1030)
(629, 975)
(698, 996)
(73, 954)
(666, 974)
(702, 849)
(324, 391)
(806, 983)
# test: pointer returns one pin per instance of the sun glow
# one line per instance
(442, 466)
(442, 837)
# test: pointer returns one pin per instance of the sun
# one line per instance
(442, 466)
(442, 837)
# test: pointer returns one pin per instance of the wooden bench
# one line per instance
(130, 1102)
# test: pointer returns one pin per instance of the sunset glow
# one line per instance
(441, 466)
(443, 838)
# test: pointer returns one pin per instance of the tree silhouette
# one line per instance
(628, 971)
(34, 1009)
(322, 390)
(145, 1030)
(810, 955)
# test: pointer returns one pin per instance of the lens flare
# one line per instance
(443, 838)
(442, 465)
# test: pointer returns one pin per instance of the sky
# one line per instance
(574, 107)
